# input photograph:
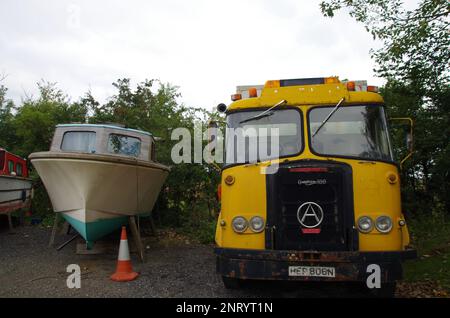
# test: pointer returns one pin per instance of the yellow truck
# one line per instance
(327, 207)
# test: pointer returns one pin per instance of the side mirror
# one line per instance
(409, 137)
(221, 108)
(409, 141)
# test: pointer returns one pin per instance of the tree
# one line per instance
(414, 58)
(188, 198)
(35, 121)
(425, 175)
(416, 43)
(7, 132)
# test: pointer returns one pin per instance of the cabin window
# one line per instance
(2, 160)
(124, 145)
(79, 141)
(153, 152)
(19, 169)
(11, 166)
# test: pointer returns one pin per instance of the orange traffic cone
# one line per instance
(124, 271)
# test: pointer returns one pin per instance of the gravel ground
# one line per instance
(28, 268)
(173, 268)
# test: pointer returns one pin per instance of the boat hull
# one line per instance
(92, 231)
(15, 193)
(96, 193)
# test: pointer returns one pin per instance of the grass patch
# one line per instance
(431, 237)
(49, 219)
(203, 233)
(196, 221)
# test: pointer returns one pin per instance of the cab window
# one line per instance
(352, 131)
(251, 138)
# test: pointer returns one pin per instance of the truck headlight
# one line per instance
(365, 224)
(239, 224)
(257, 224)
(383, 224)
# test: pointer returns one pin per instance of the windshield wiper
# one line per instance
(329, 116)
(265, 113)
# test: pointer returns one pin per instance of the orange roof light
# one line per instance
(236, 97)
(331, 80)
(351, 86)
(252, 92)
(371, 88)
(272, 84)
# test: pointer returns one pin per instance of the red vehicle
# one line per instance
(15, 186)
(10, 164)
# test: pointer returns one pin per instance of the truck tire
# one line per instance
(231, 283)
(387, 290)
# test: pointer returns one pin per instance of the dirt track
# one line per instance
(174, 268)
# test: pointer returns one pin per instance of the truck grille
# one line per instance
(322, 191)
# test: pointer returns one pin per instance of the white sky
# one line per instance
(206, 47)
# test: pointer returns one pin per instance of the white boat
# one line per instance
(15, 186)
(98, 175)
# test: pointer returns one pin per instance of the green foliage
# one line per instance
(34, 123)
(152, 106)
(416, 43)
(188, 199)
(199, 225)
(433, 249)
(41, 205)
(414, 58)
(30, 127)
(425, 176)
(7, 131)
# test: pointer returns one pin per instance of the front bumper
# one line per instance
(274, 264)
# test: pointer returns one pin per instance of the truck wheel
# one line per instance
(231, 283)
(387, 290)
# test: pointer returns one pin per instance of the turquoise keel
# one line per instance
(93, 231)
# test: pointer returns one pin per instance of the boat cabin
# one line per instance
(105, 140)
(10, 164)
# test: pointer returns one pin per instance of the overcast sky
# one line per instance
(205, 47)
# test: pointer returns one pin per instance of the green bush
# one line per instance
(188, 198)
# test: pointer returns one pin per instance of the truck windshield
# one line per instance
(248, 141)
(353, 131)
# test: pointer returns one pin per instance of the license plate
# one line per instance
(312, 271)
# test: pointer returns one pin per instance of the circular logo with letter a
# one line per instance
(310, 215)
